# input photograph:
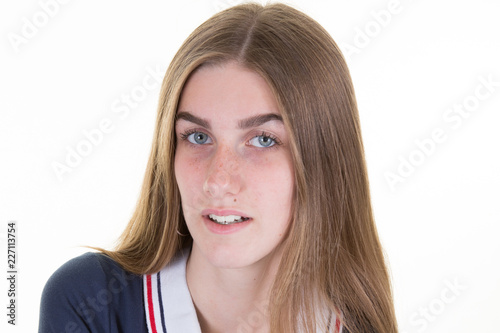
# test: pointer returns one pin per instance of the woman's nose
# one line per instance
(223, 174)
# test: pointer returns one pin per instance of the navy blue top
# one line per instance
(92, 293)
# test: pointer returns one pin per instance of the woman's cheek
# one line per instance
(268, 171)
(195, 170)
(187, 170)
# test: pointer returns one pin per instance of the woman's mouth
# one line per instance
(228, 219)
(225, 221)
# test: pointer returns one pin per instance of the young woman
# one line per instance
(255, 211)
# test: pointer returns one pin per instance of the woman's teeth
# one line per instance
(227, 219)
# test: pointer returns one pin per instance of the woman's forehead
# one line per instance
(227, 90)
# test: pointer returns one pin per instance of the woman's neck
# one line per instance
(231, 299)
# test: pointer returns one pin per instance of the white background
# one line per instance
(439, 225)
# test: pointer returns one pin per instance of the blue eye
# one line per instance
(198, 138)
(262, 141)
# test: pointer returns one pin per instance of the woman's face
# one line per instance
(233, 166)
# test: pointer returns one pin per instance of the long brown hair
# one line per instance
(332, 254)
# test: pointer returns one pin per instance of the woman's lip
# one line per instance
(223, 212)
(224, 229)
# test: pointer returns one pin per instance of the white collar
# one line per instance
(167, 301)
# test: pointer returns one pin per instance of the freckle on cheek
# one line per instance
(193, 163)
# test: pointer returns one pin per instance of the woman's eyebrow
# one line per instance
(242, 124)
(184, 115)
(258, 120)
